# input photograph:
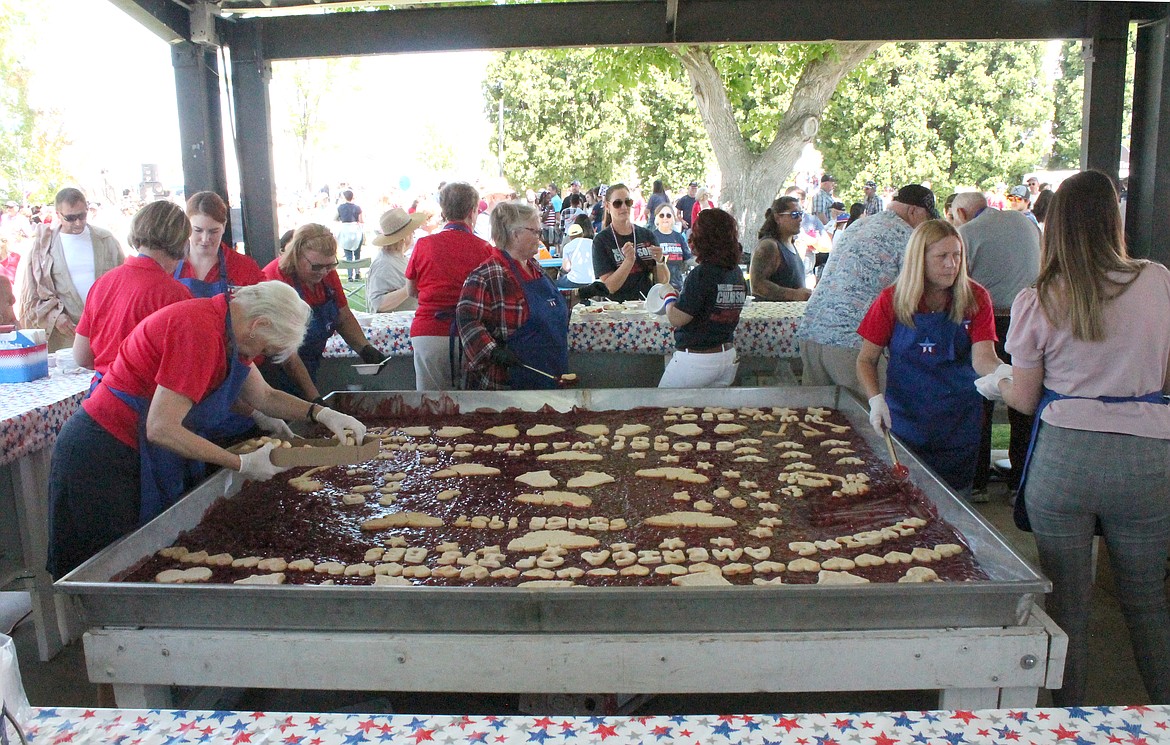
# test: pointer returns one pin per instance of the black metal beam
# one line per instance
(166, 19)
(1147, 215)
(602, 23)
(200, 123)
(250, 103)
(1104, 103)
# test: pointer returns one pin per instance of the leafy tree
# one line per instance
(954, 114)
(1068, 103)
(591, 113)
(560, 123)
(30, 139)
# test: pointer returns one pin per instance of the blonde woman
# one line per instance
(939, 328)
(309, 264)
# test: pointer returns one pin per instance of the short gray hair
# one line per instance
(457, 200)
(971, 201)
(280, 305)
(507, 217)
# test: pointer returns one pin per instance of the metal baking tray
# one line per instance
(1003, 600)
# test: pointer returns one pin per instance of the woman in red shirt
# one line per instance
(145, 425)
(309, 264)
(211, 265)
(123, 296)
(939, 326)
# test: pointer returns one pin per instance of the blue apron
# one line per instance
(165, 475)
(322, 324)
(930, 389)
(233, 424)
(543, 340)
(1020, 507)
(202, 289)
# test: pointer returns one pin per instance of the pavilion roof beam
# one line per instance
(167, 19)
(639, 22)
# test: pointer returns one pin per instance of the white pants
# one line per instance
(432, 363)
(691, 370)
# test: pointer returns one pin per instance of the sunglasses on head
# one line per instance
(74, 218)
(622, 203)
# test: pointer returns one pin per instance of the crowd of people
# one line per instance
(931, 317)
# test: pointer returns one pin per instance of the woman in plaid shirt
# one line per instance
(510, 314)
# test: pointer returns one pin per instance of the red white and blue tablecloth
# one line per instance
(765, 330)
(31, 414)
(1129, 725)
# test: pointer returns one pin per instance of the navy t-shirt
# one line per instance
(714, 296)
(675, 251)
(348, 212)
(607, 257)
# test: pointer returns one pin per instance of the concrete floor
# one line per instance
(63, 680)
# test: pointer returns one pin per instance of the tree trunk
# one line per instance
(751, 181)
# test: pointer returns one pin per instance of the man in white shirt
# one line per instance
(65, 260)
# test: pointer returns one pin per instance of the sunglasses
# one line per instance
(622, 203)
(795, 214)
(323, 267)
(665, 214)
(75, 218)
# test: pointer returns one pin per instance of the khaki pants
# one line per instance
(825, 364)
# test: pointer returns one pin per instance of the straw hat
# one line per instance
(396, 225)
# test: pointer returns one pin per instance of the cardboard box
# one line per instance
(22, 358)
(325, 452)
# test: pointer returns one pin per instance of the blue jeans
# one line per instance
(1077, 478)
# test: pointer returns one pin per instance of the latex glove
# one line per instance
(272, 425)
(879, 414)
(590, 291)
(501, 355)
(342, 424)
(988, 385)
(371, 355)
(258, 466)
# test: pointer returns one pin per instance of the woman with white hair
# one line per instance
(174, 379)
(511, 317)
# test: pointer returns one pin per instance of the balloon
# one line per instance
(404, 183)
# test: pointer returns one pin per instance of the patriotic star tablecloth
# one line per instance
(765, 330)
(1130, 725)
(31, 414)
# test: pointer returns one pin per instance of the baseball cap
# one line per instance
(1019, 191)
(575, 230)
(917, 195)
(837, 206)
(871, 184)
(827, 177)
(575, 182)
(693, 183)
(11, 203)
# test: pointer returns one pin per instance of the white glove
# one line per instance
(339, 424)
(272, 425)
(988, 385)
(879, 414)
(258, 466)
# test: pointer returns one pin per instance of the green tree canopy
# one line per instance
(30, 140)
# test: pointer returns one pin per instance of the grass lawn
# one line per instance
(356, 302)
(1000, 434)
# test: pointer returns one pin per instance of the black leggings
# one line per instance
(93, 493)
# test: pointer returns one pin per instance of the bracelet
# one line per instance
(312, 409)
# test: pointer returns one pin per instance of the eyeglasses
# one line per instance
(322, 267)
(534, 231)
(619, 203)
(75, 218)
